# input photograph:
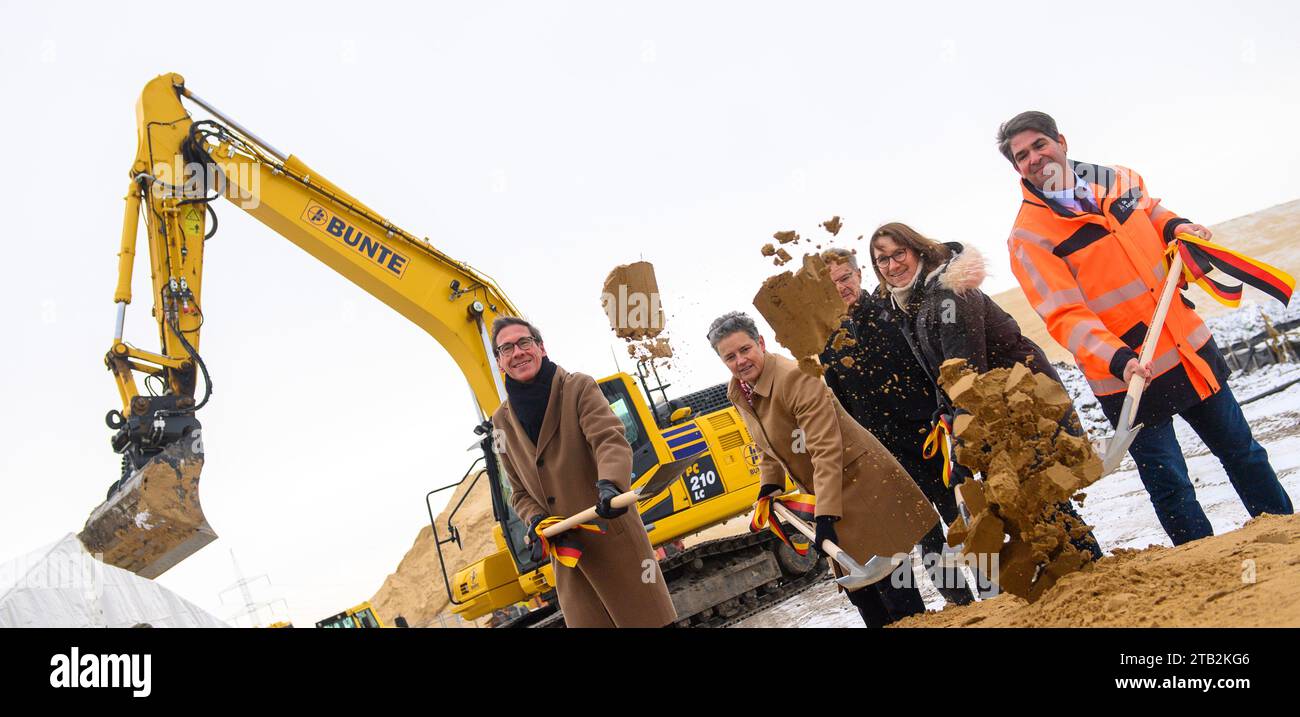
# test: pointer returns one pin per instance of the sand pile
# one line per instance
(803, 309)
(415, 590)
(1012, 434)
(1246, 578)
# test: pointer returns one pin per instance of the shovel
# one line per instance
(667, 474)
(1125, 431)
(859, 576)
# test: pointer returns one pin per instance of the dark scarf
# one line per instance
(528, 400)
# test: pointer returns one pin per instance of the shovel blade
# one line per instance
(860, 576)
(1116, 447)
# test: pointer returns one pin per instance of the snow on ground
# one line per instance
(1118, 505)
(1246, 320)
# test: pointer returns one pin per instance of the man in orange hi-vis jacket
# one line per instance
(1088, 250)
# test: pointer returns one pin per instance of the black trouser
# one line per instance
(928, 476)
(1088, 542)
(882, 603)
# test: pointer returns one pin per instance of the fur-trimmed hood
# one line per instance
(966, 270)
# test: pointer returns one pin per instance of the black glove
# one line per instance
(607, 491)
(534, 540)
(825, 531)
(767, 489)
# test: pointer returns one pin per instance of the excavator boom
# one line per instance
(152, 518)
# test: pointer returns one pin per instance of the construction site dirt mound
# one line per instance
(1249, 577)
(416, 590)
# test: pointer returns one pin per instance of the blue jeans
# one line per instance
(1220, 424)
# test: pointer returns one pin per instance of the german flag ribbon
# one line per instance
(1201, 257)
(560, 548)
(940, 439)
(803, 505)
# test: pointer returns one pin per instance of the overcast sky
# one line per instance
(543, 143)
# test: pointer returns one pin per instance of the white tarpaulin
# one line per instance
(61, 585)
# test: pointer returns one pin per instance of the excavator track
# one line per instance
(738, 565)
(721, 582)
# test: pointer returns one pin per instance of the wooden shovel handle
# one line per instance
(832, 550)
(621, 500)
(1137, 384)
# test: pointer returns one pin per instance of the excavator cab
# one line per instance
(361, 616)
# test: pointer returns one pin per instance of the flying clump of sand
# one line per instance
(803, 307)
(1013, 432)
(631, 301)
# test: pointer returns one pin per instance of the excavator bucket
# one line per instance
(153, 521)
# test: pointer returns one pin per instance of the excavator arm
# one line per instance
(152, 519)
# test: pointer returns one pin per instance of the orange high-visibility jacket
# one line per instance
(1096, 278)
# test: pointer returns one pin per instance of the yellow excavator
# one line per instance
(152, 518)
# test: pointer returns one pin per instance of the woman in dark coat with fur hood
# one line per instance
(937, 287)
(945, 315)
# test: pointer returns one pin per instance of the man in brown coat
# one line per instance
(564, 451)
(866, 502)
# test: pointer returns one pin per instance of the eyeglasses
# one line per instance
(505, 351)
(883, 260)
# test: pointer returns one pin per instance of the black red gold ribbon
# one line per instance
(940, 439)
(1200, 257)
(803, 505)
(563, 550)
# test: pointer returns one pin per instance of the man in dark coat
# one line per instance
(563, 451)
(876, 378)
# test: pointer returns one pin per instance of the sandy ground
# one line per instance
(1248, 577)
